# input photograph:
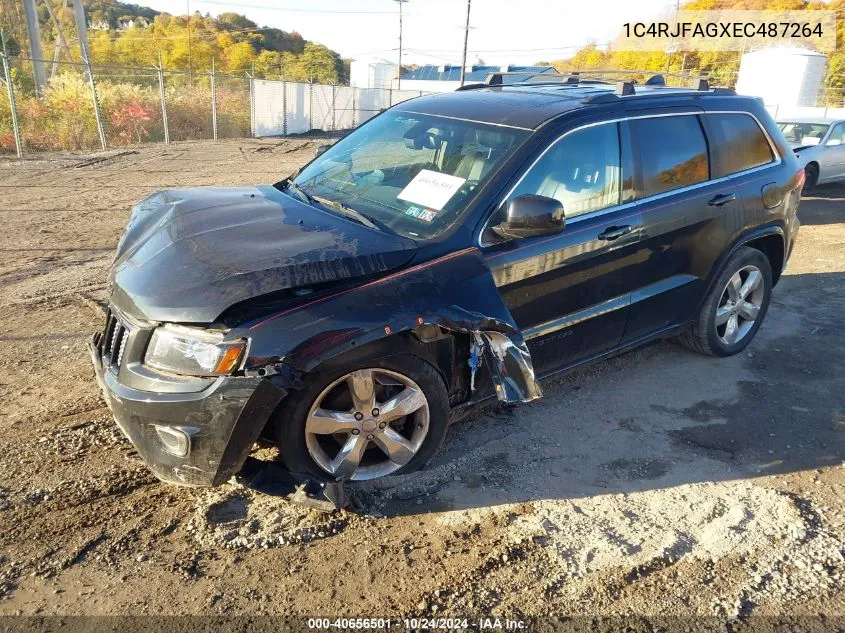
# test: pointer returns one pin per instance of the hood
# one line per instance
(798, 147)
(188, 254)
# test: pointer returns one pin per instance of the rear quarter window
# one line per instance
(672, 152)
(742, 144)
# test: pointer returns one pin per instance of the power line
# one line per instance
(244, 5)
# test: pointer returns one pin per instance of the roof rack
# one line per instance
(627, 88)
(593, 76)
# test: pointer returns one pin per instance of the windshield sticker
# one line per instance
(426, 215)
(431, 189)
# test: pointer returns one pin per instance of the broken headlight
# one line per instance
(191, 351)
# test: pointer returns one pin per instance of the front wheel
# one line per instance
(735, 306)
(366, 420)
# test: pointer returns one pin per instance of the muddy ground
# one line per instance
(658, 483)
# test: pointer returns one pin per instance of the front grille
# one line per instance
(113, 341)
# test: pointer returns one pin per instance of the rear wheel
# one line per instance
(366, 420)
(735, 306)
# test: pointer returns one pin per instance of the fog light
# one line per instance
(176, 439)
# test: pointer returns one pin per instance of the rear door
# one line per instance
(569, 292)
(678, 200)
(742, 154)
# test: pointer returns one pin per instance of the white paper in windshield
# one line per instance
(431, 189)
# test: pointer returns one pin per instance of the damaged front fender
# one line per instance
(455, 292)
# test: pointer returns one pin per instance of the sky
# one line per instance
(502, 31)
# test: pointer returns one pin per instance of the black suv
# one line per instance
(453, 248)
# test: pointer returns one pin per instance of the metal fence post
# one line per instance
(284, 108)
(213, 100)
(389, 97)
(97, 115)
(353, 106)
(334, 107)
(310, 106)
(11, 88)
(160, 70)
(252, 124)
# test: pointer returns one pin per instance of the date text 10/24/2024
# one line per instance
(416, 624)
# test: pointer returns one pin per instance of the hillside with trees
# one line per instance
(131, 35)
(722, 67)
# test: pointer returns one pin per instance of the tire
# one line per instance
(811, 177)
(327, 399)
(710, 332)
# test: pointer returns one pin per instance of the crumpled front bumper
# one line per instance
(222, 422)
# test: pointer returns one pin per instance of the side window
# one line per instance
(672, 152)
(582, 171)
(742, 144)
(837, 135)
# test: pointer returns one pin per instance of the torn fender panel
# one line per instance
(510, 367)
(455, 292)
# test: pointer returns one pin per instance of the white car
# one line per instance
(819, 145)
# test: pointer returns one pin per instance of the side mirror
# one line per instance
(321, 149)
(530, 215)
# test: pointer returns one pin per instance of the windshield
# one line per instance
(803, 133)
(413, 173)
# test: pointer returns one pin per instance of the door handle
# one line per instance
(615, 232)
(721, 199)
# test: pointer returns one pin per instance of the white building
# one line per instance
(782, 76)
(372, 73)
(448, 77)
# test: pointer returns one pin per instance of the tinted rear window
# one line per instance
(672, 152)
(742, 144)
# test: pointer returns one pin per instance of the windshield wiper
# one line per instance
(289, 185)
(354, 214)
(347, 211)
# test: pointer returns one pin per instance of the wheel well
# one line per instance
(772, 247)
(446, 351)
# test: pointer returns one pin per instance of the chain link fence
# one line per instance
(119, 106)
(131, 105)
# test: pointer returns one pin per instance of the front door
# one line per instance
(833, 154)
(569, 292)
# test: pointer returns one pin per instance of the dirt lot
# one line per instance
(658, 483)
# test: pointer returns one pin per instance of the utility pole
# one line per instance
(466, 41)
(82, 32)
(33, 31)
(671, 46)
(190, 62)
(60, 39)
(399, 70)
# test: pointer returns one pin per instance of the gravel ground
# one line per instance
(659, 483)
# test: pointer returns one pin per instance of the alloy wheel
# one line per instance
(740, 304)
(367, 424)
